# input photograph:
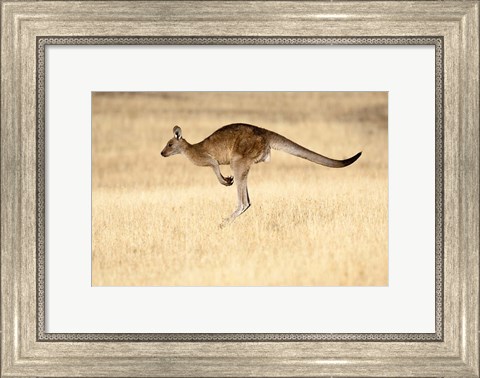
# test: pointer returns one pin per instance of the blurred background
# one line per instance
(155, 220)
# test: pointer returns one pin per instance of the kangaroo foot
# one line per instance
(230, 219)
(226, 222)
(234, 216)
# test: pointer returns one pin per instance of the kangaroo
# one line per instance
(241, 145)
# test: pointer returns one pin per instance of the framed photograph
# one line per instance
(240, 188)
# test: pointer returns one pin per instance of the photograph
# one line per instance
(239, 189)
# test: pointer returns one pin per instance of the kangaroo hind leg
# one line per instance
(240, 173)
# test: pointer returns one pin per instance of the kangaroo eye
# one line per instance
(170, 144)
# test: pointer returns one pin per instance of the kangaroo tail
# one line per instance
(278, 142)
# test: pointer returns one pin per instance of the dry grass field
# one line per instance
(155, 220)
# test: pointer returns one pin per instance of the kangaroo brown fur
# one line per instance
(241, 145)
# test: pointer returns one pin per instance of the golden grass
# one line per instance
(155, 221)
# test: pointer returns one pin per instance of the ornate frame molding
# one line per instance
(454, 348)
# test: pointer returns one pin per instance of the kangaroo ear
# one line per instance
(177, 132)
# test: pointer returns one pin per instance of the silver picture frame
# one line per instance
(28, 27)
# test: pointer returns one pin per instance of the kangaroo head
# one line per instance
(175, 145)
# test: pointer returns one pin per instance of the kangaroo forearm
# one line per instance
(227, 181)
(216, 170)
